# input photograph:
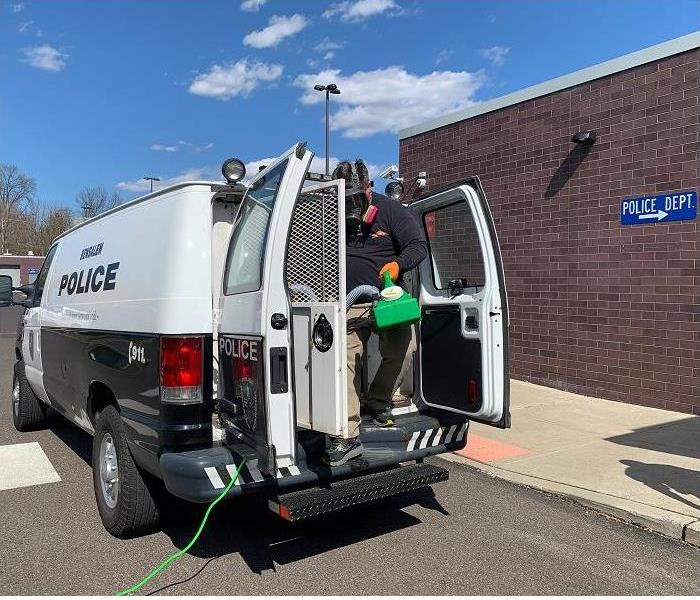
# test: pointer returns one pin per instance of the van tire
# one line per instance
(28, 412)
(134, 511)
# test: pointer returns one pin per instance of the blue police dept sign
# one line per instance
(674, 206)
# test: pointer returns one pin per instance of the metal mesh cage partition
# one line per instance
(313, 256)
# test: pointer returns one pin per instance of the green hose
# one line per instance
(173, 557)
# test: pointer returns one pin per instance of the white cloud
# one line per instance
(24, 27)
(328, 55)
(443, 56)
(389, 99)
(193, 174)
(45, 57)
(359, 10)
(17, 8)
(242, 77)
(252, 5)
(278, 29)
(162, 148)
(326, 44)
(495, 54)
(182, 144)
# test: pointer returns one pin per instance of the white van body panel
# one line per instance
(163, 282)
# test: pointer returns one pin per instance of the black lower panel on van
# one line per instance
(450, 363)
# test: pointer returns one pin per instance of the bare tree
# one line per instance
(92, 201)
(21, 231)
(53, 222)
(16, 190)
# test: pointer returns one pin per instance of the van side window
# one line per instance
(246, 251)
(454, 246)
(40, 280)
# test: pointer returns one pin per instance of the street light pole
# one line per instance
(328, 131)
(330, 88)
(152, 179)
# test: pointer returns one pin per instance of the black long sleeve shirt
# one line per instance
(395, 236)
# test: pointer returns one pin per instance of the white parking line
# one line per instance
(22, 465)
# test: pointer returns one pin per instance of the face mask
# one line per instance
(356, 207)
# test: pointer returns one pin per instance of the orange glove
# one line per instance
(393, 268)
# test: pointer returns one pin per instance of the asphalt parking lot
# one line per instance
(471, 535)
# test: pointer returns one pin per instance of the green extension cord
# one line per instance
(173, 557)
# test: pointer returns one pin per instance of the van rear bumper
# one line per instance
(200, 475)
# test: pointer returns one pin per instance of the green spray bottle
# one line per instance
(396, 306)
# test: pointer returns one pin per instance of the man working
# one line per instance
(382, 235)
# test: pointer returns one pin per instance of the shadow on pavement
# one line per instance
(264, 540)
(72, 436)
(667, 479)
(680, 437)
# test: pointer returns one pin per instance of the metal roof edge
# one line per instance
(134, 201)
(609, 67)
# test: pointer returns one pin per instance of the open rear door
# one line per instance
(463, 350)
(254, 342)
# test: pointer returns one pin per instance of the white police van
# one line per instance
(204, 324)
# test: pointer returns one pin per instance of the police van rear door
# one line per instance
(254, 312)
(463, 351)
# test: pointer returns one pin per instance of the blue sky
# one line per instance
(105, 92)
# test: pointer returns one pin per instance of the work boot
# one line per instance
(341, 451)
(383, 418)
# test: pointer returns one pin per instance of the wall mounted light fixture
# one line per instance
(584, 137)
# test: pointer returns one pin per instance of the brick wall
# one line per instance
(596, 308)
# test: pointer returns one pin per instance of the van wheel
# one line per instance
(28, 412)
(124, 501)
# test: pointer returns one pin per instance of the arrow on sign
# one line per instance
(655, 215)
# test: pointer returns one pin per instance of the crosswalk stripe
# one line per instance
(24, 465)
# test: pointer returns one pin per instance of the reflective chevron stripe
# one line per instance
(413, 440)
(214, 477)
(435, 437)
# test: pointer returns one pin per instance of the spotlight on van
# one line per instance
(233, 170)
(394, 189)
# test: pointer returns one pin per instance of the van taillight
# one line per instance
(181, 369)
(243, 369)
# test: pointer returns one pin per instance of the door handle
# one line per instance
(494, 314)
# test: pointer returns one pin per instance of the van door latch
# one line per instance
(278, 370)
(278, 321)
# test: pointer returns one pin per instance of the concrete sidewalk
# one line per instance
(636, 463)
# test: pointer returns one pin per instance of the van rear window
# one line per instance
(246, 251)
(454, 246)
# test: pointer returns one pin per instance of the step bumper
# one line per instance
(311, 502)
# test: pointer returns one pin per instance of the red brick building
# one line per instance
(596, 307)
